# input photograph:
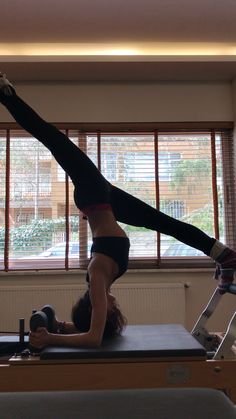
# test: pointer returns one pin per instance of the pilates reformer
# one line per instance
(216, 345)
(149, 356)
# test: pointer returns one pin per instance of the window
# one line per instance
(167, 162)
(109, 166)
(139, 167)
(173, 208)
(187, 175)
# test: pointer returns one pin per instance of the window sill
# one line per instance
(82, 272)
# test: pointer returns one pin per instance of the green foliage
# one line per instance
(38, 233)
(190, 173)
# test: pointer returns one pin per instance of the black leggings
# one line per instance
(92, 188)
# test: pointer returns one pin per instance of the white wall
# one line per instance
(123, 102)
(233, 88)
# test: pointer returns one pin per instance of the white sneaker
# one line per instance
(5, 86)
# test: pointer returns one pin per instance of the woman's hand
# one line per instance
(40, 338)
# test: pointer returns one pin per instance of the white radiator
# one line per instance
(140, 303)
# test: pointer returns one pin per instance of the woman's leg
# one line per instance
(93, 188)
(131, 210)
(126, 208)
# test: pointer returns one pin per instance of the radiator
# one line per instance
(140, 303)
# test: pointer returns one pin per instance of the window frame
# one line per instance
(140, 263)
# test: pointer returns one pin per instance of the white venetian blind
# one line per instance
(187, 175)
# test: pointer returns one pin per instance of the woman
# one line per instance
(110, 248)
(97, 314)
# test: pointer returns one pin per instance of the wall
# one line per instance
(200, 287)
(122, 102)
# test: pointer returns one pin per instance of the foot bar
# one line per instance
(208, 311)
(225, 350)
(199, 331)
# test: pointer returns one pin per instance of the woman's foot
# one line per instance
(226, 266)
(6, 88)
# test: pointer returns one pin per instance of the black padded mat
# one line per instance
(148, 341)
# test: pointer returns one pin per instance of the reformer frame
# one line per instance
(218, 371)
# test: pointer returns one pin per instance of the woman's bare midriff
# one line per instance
(103, 223)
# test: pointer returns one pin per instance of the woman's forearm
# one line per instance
(76, 340)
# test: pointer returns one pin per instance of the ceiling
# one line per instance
(113, 40)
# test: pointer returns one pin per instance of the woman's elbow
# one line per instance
(96, 342)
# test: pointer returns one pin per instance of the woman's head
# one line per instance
(82, 312)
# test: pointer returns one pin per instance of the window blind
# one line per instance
(185, 174)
